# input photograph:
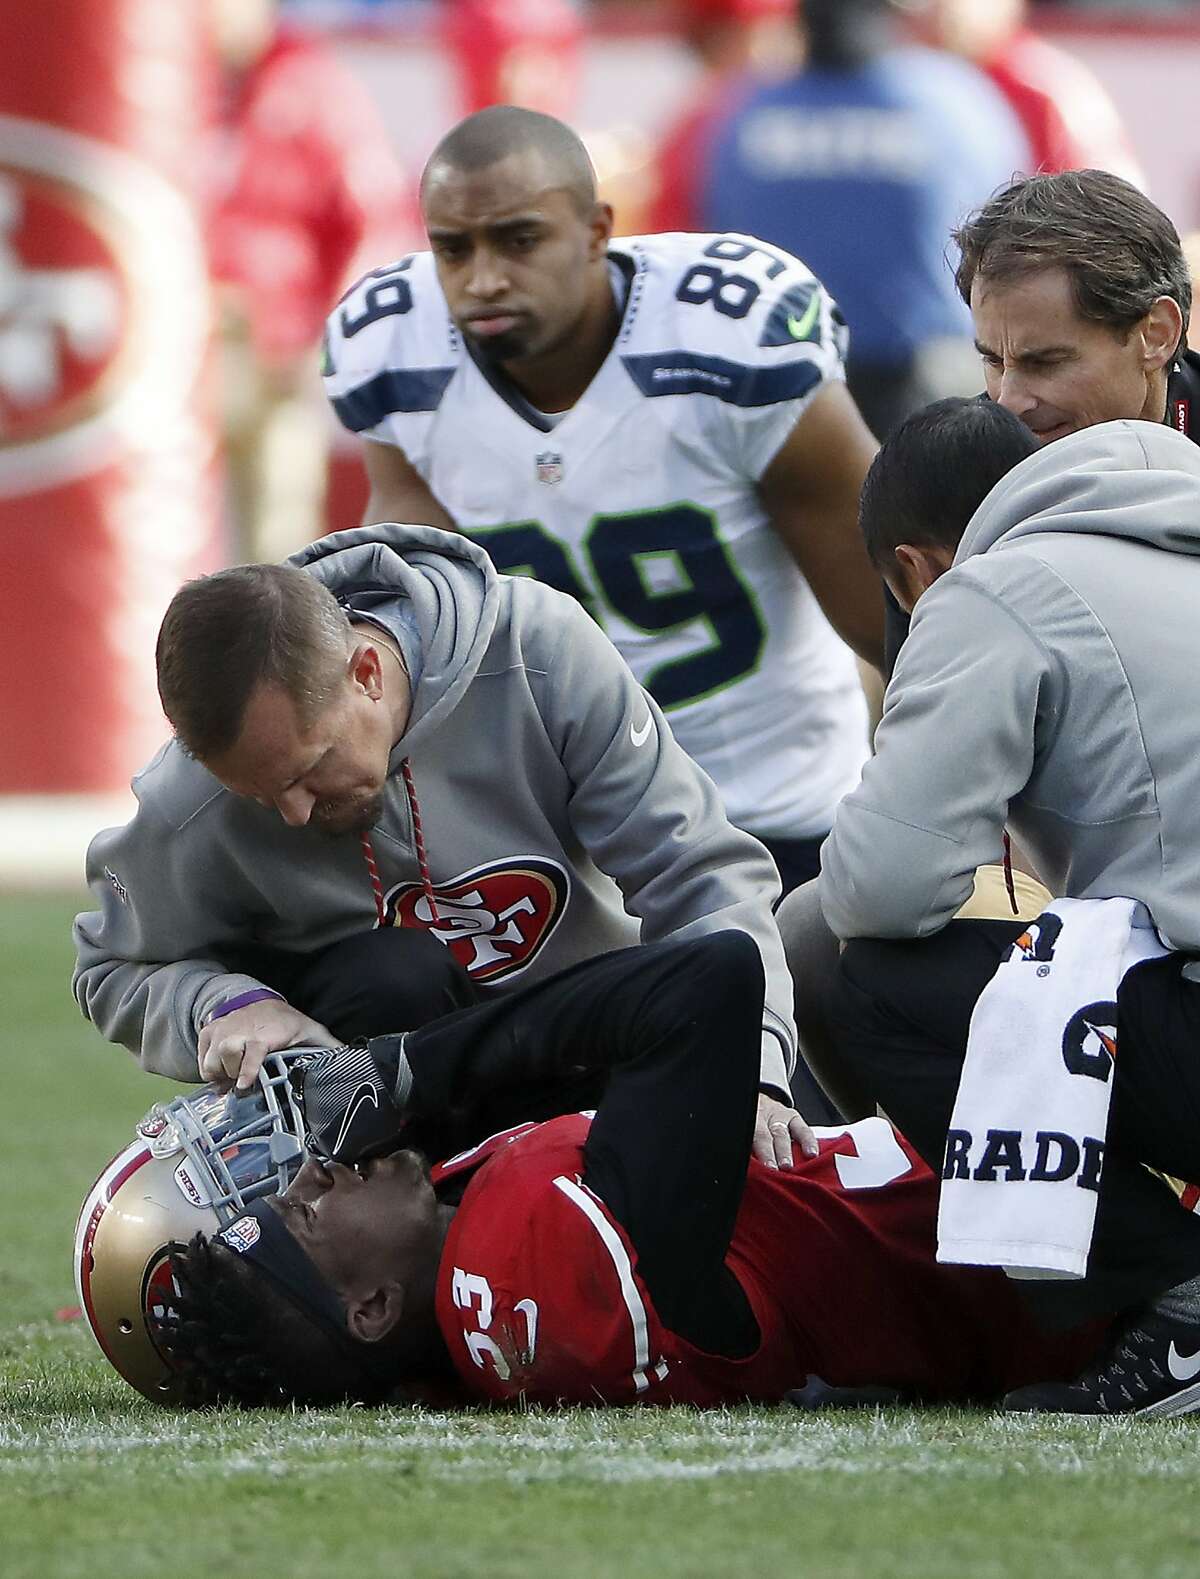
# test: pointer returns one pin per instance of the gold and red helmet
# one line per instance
(195, 1163)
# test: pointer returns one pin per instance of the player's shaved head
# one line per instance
(504, 130)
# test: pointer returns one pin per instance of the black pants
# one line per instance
(901, 1012)
(370, 984)
(798, 860)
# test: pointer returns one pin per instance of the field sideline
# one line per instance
(94, 1482)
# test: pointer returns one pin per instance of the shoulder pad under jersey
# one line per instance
(727, 316)
(390, 344)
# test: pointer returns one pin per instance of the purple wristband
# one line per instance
(242, 1001)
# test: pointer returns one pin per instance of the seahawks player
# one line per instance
(658, 426)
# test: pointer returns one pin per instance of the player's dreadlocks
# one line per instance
(235, 1339)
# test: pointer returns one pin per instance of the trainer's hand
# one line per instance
(233, 1047)
(776, 1128)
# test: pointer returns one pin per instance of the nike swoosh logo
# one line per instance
(640, 736)
(1182, 1366)
(801, 328)
(365, 1093)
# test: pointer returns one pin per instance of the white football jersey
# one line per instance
(640, 500)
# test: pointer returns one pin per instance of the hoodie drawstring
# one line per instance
(368, 851)
(1008, 875)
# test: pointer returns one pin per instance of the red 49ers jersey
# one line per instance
(539, 1295)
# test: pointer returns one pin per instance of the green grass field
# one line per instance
(94, 1482)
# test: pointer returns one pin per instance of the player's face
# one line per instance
(329, 772)
(517, 261)
(371, 1225)
(1057, 371)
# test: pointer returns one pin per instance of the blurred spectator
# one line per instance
(522, 52)
(305, 188)
(731, 39)
(861, 163)
(1069, 118)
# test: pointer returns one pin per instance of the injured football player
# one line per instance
(634, 1254)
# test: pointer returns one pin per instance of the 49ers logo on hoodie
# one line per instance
(495, 919)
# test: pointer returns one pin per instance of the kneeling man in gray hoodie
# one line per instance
(1046, 687)
(400, 780)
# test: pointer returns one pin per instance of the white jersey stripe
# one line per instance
(590, 1207)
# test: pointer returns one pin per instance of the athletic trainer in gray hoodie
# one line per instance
(1047, 683)
(559, 819)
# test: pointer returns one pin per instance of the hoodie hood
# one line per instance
(452, 591)
(1134, 480)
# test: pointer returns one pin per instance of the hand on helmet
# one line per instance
(350, 1111)
(233, 1047)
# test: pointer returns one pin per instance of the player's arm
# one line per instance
(378, 382)
(398, 491)
(810, 491)
(674, 1030)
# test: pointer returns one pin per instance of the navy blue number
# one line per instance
(389, 295)
(700, 588)
(733, 249)
(731, 294)
(704, 590)
(527, 549)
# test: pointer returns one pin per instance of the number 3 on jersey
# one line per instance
(660, 571)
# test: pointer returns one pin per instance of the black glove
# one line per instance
(349, 1103)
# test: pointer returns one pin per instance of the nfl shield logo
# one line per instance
(549, 468)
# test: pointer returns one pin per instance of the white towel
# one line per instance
(1026, 1144)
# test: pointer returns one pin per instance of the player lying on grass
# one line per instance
(630, 1256)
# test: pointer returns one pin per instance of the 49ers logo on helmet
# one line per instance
(159, 1291)
(495, 919)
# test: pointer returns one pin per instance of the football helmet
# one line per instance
(195, 1163)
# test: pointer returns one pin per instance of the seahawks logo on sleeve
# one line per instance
(737, 320)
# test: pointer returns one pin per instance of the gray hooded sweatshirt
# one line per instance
(560, 819)
(1047, 682)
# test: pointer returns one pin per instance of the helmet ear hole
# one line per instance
(125, 1326)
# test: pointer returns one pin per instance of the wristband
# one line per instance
(242, 1001)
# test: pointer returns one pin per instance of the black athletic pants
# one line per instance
(369, 984)
(901, 1011)
(798, 860)
(665, 1038)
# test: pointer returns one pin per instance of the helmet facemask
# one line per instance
(198, 1160)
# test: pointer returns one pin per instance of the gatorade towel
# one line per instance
(107, 483)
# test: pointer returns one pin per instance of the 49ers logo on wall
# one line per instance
(494, 919)
(64, 314)
(103, 308)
